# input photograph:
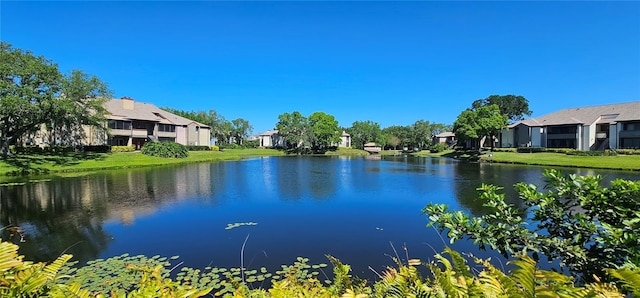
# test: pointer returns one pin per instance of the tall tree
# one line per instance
(324, 131)
(33, 92)
(241, 130)
(402, 133)
(437, 128)
(81, 103)
(422, 133)
(363, 132)
(485, 121)
(515, 107)
(294, 129)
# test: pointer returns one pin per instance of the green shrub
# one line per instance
(439, 147)
(97, 148)
(28, 150)
(592, 153)
(198, 148)
(165, 149)
(603, 234)
(251, 144)
(123, 148)
(531, 149)
(230, 146)
(505, 149)
(59, 149)
(628, 151)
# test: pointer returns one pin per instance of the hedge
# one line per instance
(198, 148)
(165, 149)
(123, 148)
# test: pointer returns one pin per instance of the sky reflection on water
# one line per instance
(351, 208)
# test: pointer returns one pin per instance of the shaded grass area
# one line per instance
(22, 165)
(619, 162)
(347, 152)
(445, 153)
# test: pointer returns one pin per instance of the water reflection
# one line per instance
(310, 206)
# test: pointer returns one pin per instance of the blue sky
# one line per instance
(389, 62)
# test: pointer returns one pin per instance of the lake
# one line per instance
(356, 209)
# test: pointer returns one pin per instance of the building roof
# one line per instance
(269, 133)
(144, 111)
(445, 134)
(610, 113)
(345, 134)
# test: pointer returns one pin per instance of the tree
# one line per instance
(294, 129)
(241, 130)
(513, 106)
(392, 141)
(576, 222)
(485, 121)
(81, 103)
(422, 133)
(33, 92)
(437, 128)
(363, 132)
(324, 131)
(402, 133)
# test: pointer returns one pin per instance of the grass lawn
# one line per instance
(15, 167)
(78, 162)
(428, 153)
(619, 162)
(347, 152)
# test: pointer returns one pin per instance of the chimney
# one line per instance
(127, 103)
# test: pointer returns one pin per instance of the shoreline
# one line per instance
(26, 168)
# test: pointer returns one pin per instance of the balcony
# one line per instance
(139, 133)
(166, 134)
(120, 132)
(630, 134)
(560, 136)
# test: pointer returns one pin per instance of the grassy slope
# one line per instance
(76, 163)
(620, 162)
(93, 162)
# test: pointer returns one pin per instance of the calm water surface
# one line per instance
(351, 208)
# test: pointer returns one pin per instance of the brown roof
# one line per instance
(269, 133)
(145, 111)
(588, 115)
(445, 134)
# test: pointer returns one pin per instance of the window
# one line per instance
(140, 125)
(630, 143)
(119, 124)
(631, 126)
(561, 143)
(562, 129)
(167, 127)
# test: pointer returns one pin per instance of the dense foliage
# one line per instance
(34, 93)
(165, 149)
(139, 276)
(363, 132)
(515, 107)
(419, 135)
(475, 124)
(577, 223)
(315, 134)
(488, 116)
